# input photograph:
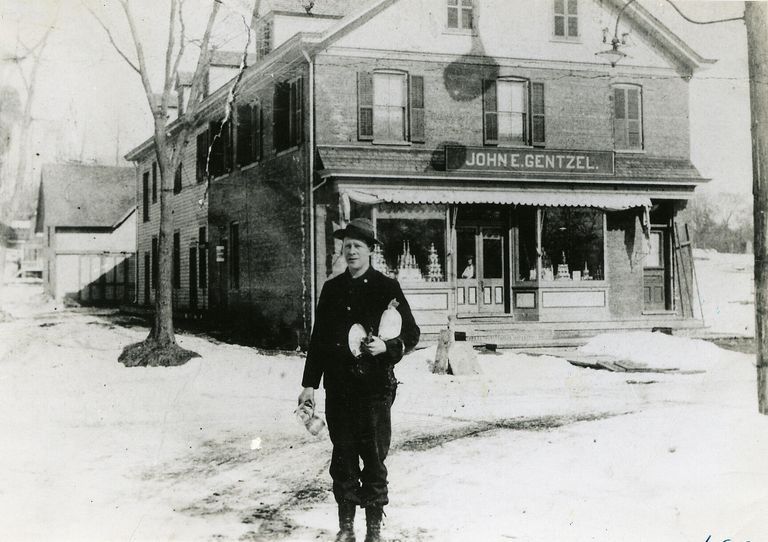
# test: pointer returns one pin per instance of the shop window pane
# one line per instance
(413, 249)
(572, 240)
(493, 257)
(526, 241)
(465, 253)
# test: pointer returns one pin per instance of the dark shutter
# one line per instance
(177, 183)
(297, 124)
(145, 197)
(155, 263)
(202, 245)
(365, 106)
(281, 116)
(229, 148)
(202, 155)
(216, 160)
(154, 182)
(243, 144)
(619, 118)
(634, 132)
(416, 102)
(490, 112)
(537, 114)
(258, 140)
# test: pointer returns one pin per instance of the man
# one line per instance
(359, 391)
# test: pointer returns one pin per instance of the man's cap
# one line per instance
(358, 228)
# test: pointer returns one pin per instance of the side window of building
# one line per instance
(154, 182)
(220, 141)
(264, 39)
(155, 263)
(567, 18)
(513, 112)
(628, 117)
(460, 14)
(234, 255)
(390, 107)
(202, 156)
(145, 196)
(287, 114)
(177, 184)
(249, 134)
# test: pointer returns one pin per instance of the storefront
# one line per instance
(521, 248)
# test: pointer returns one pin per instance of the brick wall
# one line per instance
(578, 105)
(624, 263)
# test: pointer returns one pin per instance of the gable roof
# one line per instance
(85, 196)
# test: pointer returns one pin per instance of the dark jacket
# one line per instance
(346, 301)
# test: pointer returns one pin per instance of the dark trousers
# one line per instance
(360, 427)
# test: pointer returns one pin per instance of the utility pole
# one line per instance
(756, 18)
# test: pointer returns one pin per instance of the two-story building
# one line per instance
(519, 183)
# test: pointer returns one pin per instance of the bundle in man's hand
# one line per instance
(306, 415)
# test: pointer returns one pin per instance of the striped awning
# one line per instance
(602, 200)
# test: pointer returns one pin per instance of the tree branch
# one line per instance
(111, 38)
(169, 54)
(140, 54)
(182, 44)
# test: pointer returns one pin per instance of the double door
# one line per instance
(481, 270)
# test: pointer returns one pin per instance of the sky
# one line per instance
(93, 106)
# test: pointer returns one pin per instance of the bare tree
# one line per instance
(160, 347)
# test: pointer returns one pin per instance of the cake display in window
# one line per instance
(434, 270)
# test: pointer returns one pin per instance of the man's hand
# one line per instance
(307, 395)
(375, 347)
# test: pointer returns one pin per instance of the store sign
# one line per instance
(528, 160)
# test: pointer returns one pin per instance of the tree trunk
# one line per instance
(756, 17)
(162, 330)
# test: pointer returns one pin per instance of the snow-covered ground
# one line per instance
(532, 449)
(727, 291)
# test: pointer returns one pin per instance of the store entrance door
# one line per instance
(480, 270)
(655, 272)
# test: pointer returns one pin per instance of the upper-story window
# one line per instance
(513, 112)
(460, 14)
(287, 114)
(220, 141)
(628, 117)
(567, 18)
(249, 134)
(264, 39)
(390, 107)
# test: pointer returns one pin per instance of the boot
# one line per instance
(373, 523)
(346, 523)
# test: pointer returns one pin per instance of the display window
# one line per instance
(414, 242)
(567, 244)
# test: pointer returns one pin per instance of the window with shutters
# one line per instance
(391, 107)
(288, 114)
(220, 141)
(513, 111)
(177, 183)
(628, 117)
(460, 14)
(567, 19)
(249, 134)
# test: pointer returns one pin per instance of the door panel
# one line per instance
(655, 297)
(466, 272)
(491, 270)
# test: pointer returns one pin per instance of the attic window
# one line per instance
(264, 39)
(460, 14)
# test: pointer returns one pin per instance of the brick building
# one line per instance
(517, 181)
